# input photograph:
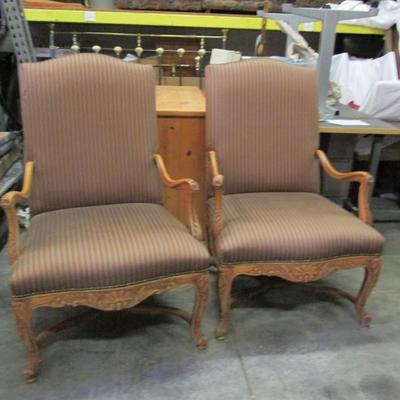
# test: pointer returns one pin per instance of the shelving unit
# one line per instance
(174, 19)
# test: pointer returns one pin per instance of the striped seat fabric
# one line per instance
(290, 227)
(104, 246)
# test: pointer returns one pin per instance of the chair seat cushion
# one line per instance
(104, 246)
(290, 226)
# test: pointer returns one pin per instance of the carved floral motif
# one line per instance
(299, 272)
(107, 300)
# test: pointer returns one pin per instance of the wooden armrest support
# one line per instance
(8, 203)
(189, 186)
(218, 186)
(170, 182)
(217, 178)
(363, 178)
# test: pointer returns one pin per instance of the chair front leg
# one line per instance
(201, 285)
(372, 271)
(22, 313)
(225, 279)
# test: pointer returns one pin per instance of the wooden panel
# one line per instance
(182, 144)
(186, 101)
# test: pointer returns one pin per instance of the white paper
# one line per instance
(90, 16)
(130, 58)
(222, 56)
(347, 122)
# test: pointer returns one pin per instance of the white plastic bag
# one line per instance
(383, 101)
(356, 77)
(388, 13)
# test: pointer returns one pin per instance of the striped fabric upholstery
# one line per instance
(104, 246)
(262, 120)
(289, 227)
(90, 127)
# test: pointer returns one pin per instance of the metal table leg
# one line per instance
(385, 214)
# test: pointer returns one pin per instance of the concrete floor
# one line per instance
(284, 345)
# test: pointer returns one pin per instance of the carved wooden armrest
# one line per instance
(189, 186)
(218, 186)
(8, 203)
(363, 178)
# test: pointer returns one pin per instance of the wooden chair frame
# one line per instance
(108, 299)
(295, 271)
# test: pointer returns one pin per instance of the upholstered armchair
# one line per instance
(266, 214)
(99, 235)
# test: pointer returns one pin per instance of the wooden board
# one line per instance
(182, 101)
(50, 4)
(182, 144)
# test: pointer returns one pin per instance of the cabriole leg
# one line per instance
(23, 318)
(200, 303)
(372, 271)
(225, 279)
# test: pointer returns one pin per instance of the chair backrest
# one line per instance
(262, 120)
(90, 128)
